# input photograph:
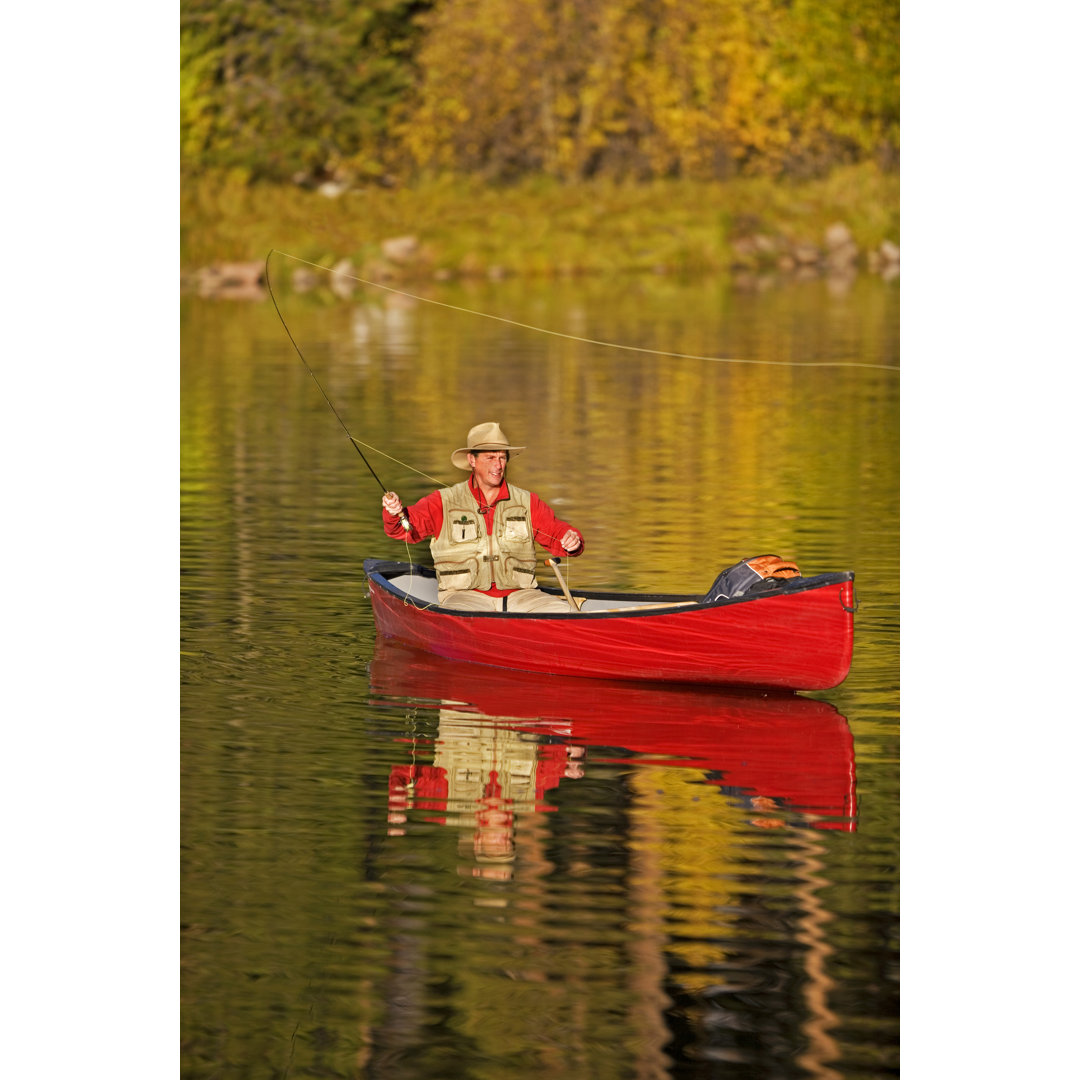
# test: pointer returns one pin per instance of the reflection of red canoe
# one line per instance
(797, 637)
(774, 745)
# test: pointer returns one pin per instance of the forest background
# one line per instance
(538, 136)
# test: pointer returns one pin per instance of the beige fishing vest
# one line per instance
(466, 557)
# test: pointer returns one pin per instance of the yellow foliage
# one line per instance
(686, 87)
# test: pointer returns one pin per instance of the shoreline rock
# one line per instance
(401, 258)
(232, 281)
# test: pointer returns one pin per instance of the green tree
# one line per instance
(279, 87)
(839, 66)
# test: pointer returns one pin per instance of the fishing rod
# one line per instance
(402, 517)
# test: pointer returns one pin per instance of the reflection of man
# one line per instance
(482, 531)
(493, 838)
(481, 778)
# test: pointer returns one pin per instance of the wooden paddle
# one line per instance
(554, 564)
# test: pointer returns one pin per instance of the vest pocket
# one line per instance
(464, 528)
(522, 572)
(457, 575)
(516, 529)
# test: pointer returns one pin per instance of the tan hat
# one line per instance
(487, 436)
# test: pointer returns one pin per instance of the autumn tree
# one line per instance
(700, 88)
(839, 65)
(280, 87)
(504, 89)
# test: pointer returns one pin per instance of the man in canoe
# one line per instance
(482, 531)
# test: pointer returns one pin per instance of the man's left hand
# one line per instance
(571, 541)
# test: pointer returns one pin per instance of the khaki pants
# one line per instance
(521, 600)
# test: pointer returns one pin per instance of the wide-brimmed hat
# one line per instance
(487, 436)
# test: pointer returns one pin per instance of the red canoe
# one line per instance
(797, 636)
(752, 744)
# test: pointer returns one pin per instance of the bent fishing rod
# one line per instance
(402, 517)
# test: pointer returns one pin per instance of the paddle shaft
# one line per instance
(554, 564)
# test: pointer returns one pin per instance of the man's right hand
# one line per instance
(392, 504)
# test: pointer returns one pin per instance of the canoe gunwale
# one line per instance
(381, 572)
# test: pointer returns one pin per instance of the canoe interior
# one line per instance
(422, 588)
(419, 585)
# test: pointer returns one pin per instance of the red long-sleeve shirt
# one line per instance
(426, 518)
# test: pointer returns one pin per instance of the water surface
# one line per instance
(394, 866)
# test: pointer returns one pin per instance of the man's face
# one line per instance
(489, 466)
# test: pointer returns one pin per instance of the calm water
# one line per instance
(397, 867)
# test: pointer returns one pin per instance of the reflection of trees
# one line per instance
(741, 976)
(709, 963)
(822, 1046)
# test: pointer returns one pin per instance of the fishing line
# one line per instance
(584, 340)
(402, 517)
(403, 464)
